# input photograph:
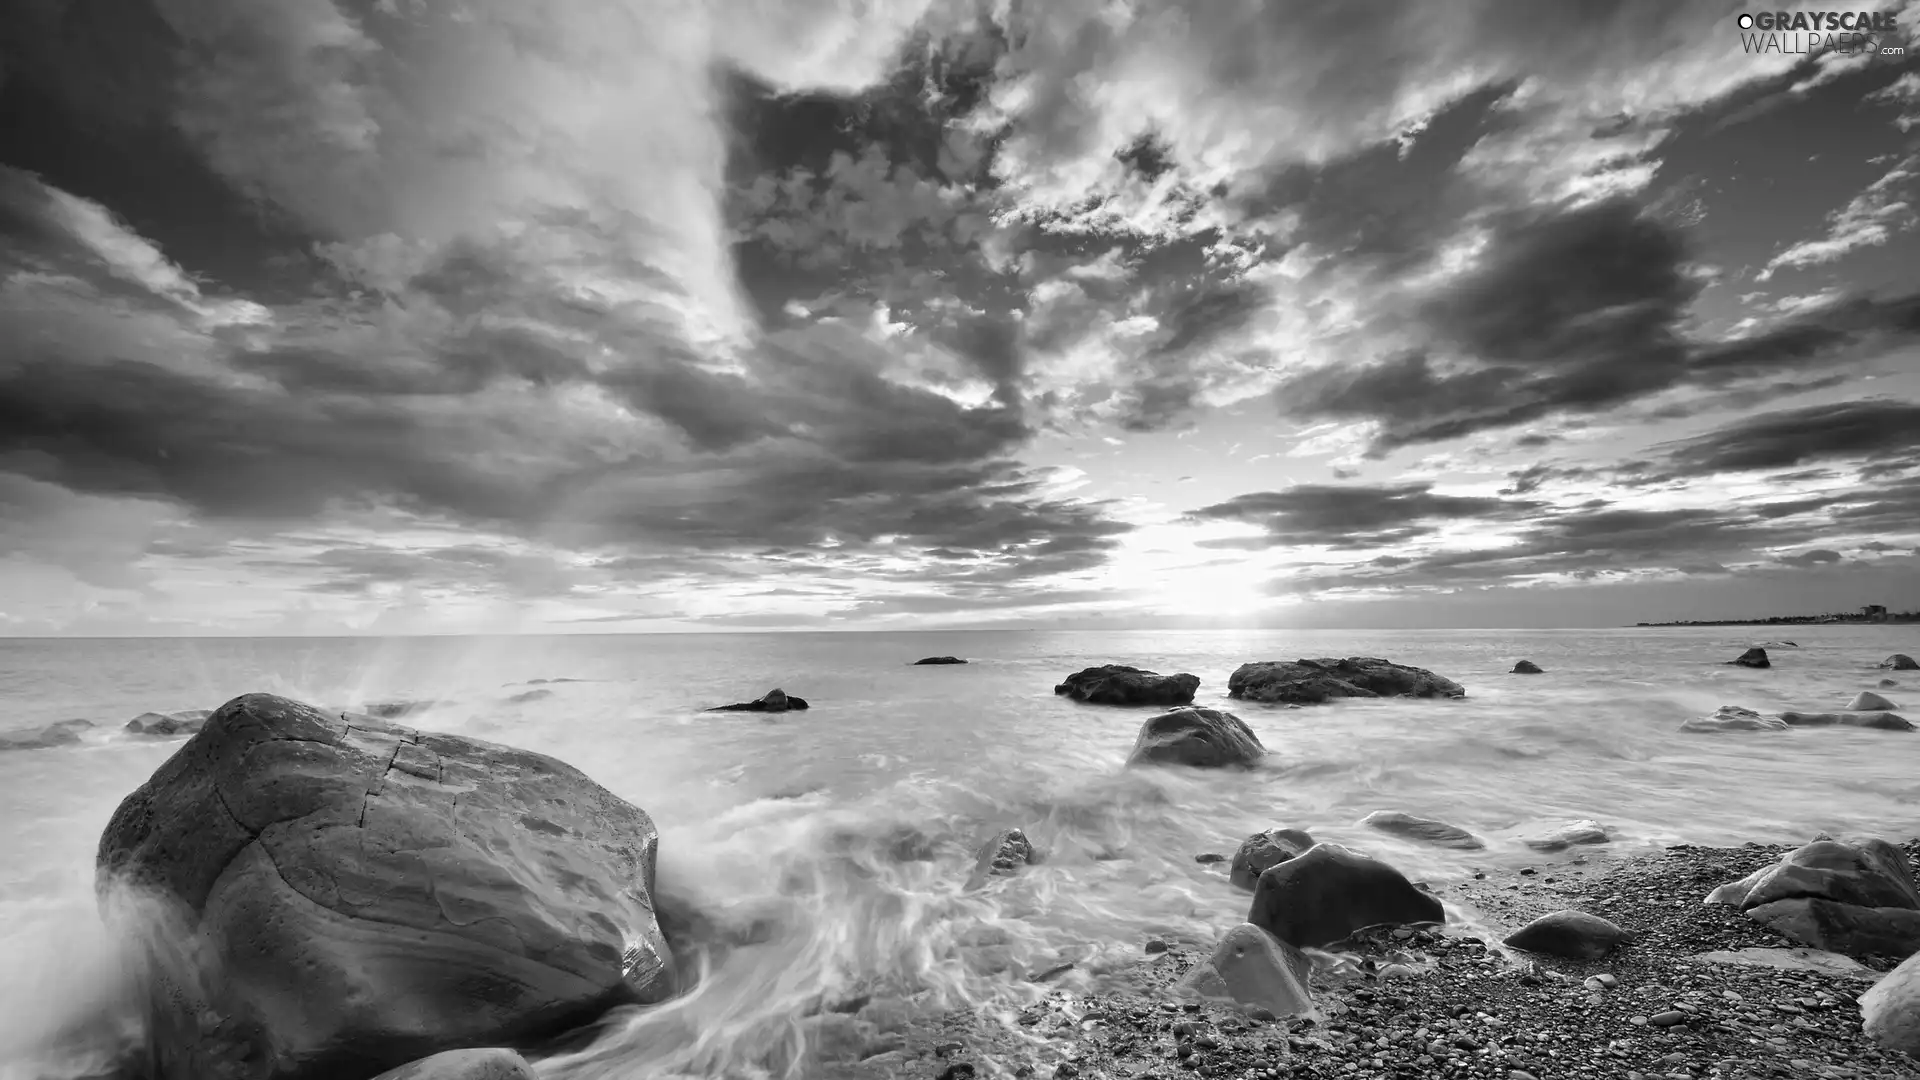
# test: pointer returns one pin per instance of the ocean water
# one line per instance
(788, 832)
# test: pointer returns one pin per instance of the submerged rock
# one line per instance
(1310, 682)
(490, 1064)
(1574, 935)
(1118, 684)
(938, 660)
(1203, 738)
(772, 701)
(1890, 1010)
(1329, 892)
(1887, 684)
(1526, 667)
(1566, 836)
(525, 696)
(362, 895)
(61, 733)
(1263, 850)
(1868, 701)
(1425, 830)
(1900, 662)
(1884, 721)
(1755, 657)
(1003, 853)
(184, 722)
(1253, 969)
(1734, 718)
(1849, 898)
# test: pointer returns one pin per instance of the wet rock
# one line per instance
(1310, 682)
(1329, 892)
(1868, 701)
(62, 733)
(1574, 935)
(1003, 853)
(1882, 721)
(1900, 662)
(774, 701)
(490, 1064)
(938, 660)
(1815, 960)
(1253, 969)
(1585, 831)
(1526, 667)
(1850, 898)
(1202, 738)
(1891, 1009)
(525, 696)
(362, 895)
(1208, 858)
(1887, 684)
(1425, 830)
(184, 722)
(1118, 684)
(1755, 657)
(1263, 850)
(1734, 718)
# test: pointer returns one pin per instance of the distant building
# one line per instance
(1875, 611)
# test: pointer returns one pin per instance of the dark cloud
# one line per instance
(1354, 516)
(1872, 429)
(1816, 557)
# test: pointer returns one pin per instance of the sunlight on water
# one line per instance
(813, 865)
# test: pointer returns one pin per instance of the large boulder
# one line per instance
(1253, 969)
(1203, 738)
(1734, 718)
(1265, 849)
(938, 660)
(1884, 721)
(1526, 667)
(1330, 892)
(1858, 899)
(1755, 657)
(1574, 935)
(1118, 684)
(184, 722)
(1309, 682)
(775, 700)
(356, 895)
(1868, 701)
(60, 733)
(492, 1063)
(1003, 853)
(1900, 662)
(1891, 1008)
(1425, 830)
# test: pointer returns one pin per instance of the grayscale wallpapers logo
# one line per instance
(1807, 33)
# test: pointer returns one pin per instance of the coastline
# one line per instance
(1460, 1004)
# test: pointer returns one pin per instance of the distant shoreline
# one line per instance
(1905, 618)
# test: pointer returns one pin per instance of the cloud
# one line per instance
(1870, 219)
(1353, 516)
(1815, 557)
(1870, 429)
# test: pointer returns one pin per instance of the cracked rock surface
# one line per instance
(356, 895)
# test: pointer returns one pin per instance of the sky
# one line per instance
(442, 316)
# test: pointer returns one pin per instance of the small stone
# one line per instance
(1209, 857)
(959, 1070)
(1637, 1021)
(1667, 1019)
(1156, 947)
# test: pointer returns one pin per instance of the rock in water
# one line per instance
(1868, 701)
(184, 722)
(1734, 718)
(1884, 721)
(1329, 892)
(1005, 852)
(1887, 684)
(1849, 898)
(1566, 836)
(1203, 738)
(1755, 657)
(939, 660)
(1425, 830)
(361, 895)
(1574, 935)
(1526, 667)
(1310, 682)
(1891, 1009)
(1265, 849)
(775, 700)
(1117, 684)
(1253, 969)
(63, 733)
(489, 1064)
(1900, 662)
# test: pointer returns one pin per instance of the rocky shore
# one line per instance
(1695, 995)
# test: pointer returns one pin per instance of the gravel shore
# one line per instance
(1456, 1003)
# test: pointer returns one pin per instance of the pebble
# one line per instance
(1667, 1019)
(1156, 947)
(1637, 1021)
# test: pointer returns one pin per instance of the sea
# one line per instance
(828, 849)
